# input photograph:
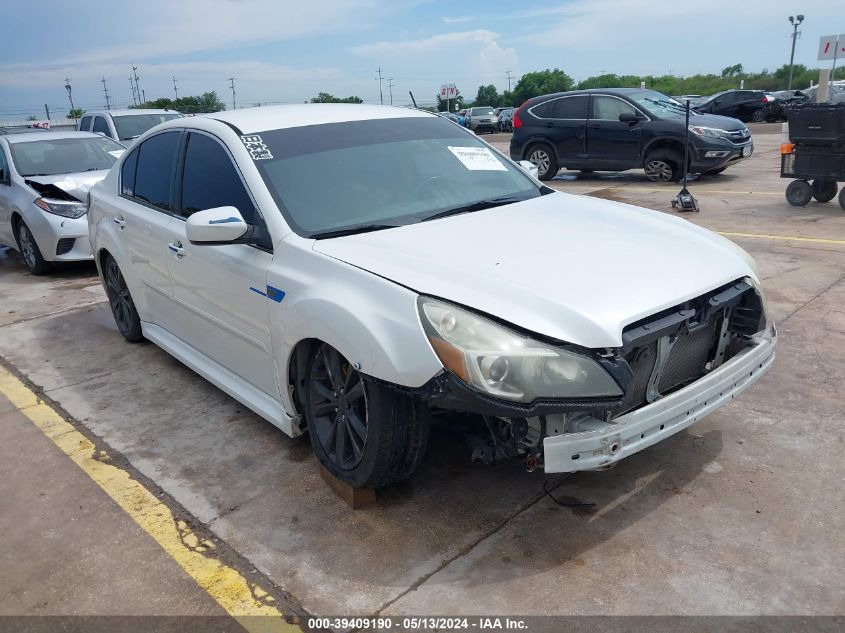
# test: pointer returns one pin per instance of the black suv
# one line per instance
(745, 105)
(623, 128)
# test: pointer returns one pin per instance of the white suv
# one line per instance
(350, 270)
(124, 125)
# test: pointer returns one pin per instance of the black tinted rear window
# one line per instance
(154, 174)
(571, 107)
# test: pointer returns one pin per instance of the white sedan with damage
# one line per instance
(348, 271)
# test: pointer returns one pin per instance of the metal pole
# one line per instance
(234, 104)
(390, 88)
(792, 54)
(686, 146)
(138, 86)
(69, 93)
(132, 87)
(47, 110)
(175, 91)
(380, 92)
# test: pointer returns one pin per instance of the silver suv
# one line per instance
(124, 125)
(482, 119)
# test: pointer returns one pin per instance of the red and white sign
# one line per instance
(41, 124)
(448, 91)
(832, 47)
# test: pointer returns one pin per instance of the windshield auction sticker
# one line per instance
(256, 147)
(478, 159)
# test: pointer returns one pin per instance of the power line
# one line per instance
(175, 91)
(380, 93)
(106, 92)
(232, 80)
(390, 85)
(132, 88)
(138, 86)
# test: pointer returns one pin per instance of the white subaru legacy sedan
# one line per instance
(350, 270)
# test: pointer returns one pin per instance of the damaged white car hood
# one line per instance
(75, 184)
(573, 268)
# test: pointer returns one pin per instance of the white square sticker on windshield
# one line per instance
(478, 158)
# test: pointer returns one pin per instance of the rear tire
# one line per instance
(362, 432)
(842, 198)
(28, 248)
(544, 158)
(824, 190)
(122, 306)
(798, 193)
(758, 116)
(663, 166)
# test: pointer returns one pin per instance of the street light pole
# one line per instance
(795, 22)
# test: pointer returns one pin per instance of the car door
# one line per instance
(142, 215)
(221, 290)
(564, 121)
(6, 235)
(101, 126)
(612, 143)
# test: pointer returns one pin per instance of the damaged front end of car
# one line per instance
(565, 408)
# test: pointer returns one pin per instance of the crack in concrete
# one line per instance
(50, 314)
(467, 549)
(813, 298)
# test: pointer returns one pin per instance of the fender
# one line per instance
(328, 300)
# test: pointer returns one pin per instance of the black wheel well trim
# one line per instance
(540, 140)
(664, 143)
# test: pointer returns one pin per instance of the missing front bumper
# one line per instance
(652, 423)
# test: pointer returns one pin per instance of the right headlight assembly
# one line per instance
(506, 364)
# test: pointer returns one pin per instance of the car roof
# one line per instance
(250, 120)
(590, 91)
(131, 111)
(45, 136)
(22, 130)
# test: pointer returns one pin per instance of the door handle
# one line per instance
(177, 249)
(120, 222)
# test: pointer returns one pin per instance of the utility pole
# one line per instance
(106, 92)
(509, 75)
(380, 93)
(144, 92)
(390, 85)
(138, 86)
(132, 88)
(795, 22)
(69, 92)
(232, 80)
(47, 110)
(175, 91)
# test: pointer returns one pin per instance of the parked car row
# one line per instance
(434, 275)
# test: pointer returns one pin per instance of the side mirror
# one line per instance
(530, 168)
(221, 225)
(629, 117)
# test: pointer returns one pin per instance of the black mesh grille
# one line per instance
(641, 361)
(689, 355)
(65, 245)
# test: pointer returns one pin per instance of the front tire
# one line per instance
(544, 158)
(122, 306)
(663, 167)
(824, 190)
(798, 193)
(28, 248)
(362, 432)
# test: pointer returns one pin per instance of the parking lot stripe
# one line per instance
(241, 599)
(785, 238)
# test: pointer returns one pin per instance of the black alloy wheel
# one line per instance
(338, 408)
(122, 307)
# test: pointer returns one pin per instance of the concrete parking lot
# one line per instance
(741, 514)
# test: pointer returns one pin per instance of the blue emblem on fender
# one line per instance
(272, 293)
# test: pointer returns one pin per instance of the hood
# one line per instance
(569, 267)
(716, 120)
(74, 185)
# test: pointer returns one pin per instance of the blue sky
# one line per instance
(286, 52)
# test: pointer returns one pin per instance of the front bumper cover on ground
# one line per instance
(650, 424)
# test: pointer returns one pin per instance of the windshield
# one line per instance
(381, 173)
(129, 126)
(479, 111)
(64, 155)
(658, 104)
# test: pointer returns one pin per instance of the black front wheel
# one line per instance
(798, 193)
(122, 306)
(30, 251)
(362, 432)
(824, 190)
(544, 158)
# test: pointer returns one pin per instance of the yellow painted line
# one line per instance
(785, 238)
(698, 189)
(241, 599)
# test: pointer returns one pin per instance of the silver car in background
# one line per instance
(125, 125)
(44, 183)
(482, 119)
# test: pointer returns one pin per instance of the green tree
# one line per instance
(541, 82)
(487, 96)
(206, 102)
(732, 71)
(601, 81)
(325, 97)
(75, 113)
(32, 117)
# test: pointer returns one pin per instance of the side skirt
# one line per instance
(264, 405)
